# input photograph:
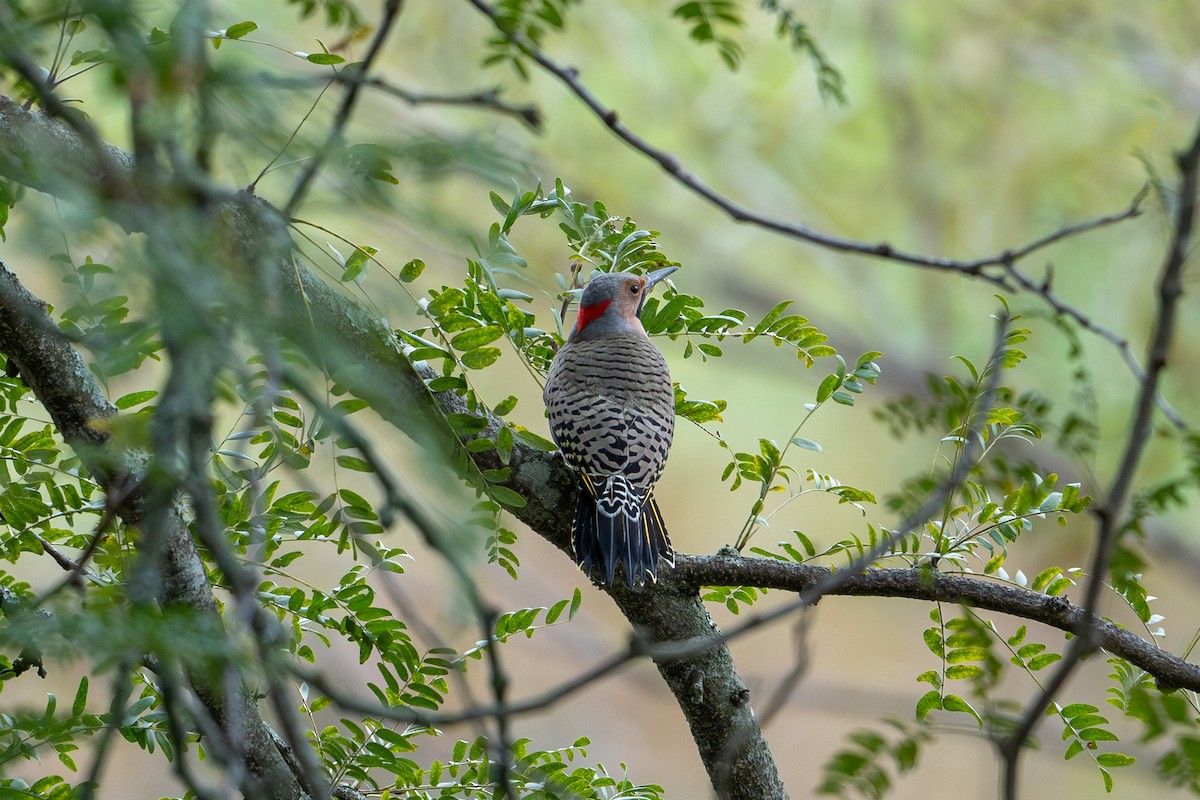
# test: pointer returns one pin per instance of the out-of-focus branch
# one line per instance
(391, 10)
(1110, 514)
(69, 393)
(484, 100)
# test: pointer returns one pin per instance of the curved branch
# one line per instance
(1171, 671)
(670, 164)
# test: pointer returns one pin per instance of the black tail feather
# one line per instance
(602, 540)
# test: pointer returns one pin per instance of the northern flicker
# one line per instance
(612, 413)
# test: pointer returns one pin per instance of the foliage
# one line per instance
(305, 565)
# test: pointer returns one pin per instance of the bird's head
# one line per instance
(612, 302)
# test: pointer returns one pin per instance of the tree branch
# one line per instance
(919, 583)
(391, 10)
(978, 268)
(999, 269)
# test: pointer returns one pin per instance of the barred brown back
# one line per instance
(612, 413)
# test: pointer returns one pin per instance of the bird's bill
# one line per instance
(651, 279)
(656, 276)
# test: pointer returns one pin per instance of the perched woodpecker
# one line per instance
(612, 413)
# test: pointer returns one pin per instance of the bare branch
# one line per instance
(999, 269)
(1171, 671)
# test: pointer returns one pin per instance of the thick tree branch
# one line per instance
(918, 583)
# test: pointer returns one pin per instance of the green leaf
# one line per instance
(1078, 709)
(930, 701)
(843, 398)
(466, 424)
(963, 671)
(324, 58)
(506, 496)
(807, 444)
(768, 318)
(555, 610)
(1114, 760)
(240, 29)
(953, 702)
(505, 406)
(827, 387)
(476, 337)
(1043, 661)
(134, 399)
(1097, 735)
(480, 358)
(504, 443)
(531, 439)
(1045, 577)
(80, 703)
(447, 383)
(427, 353)
(412, 270)
(354, 463)
(967, 654)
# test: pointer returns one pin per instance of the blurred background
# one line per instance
(968, 129)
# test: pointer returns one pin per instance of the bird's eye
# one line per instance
(633, 287)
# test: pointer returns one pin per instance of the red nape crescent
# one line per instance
(590, 313)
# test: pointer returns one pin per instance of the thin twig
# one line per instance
(122, 687)
(484, 99)
(175, 707)
(1111, 514)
